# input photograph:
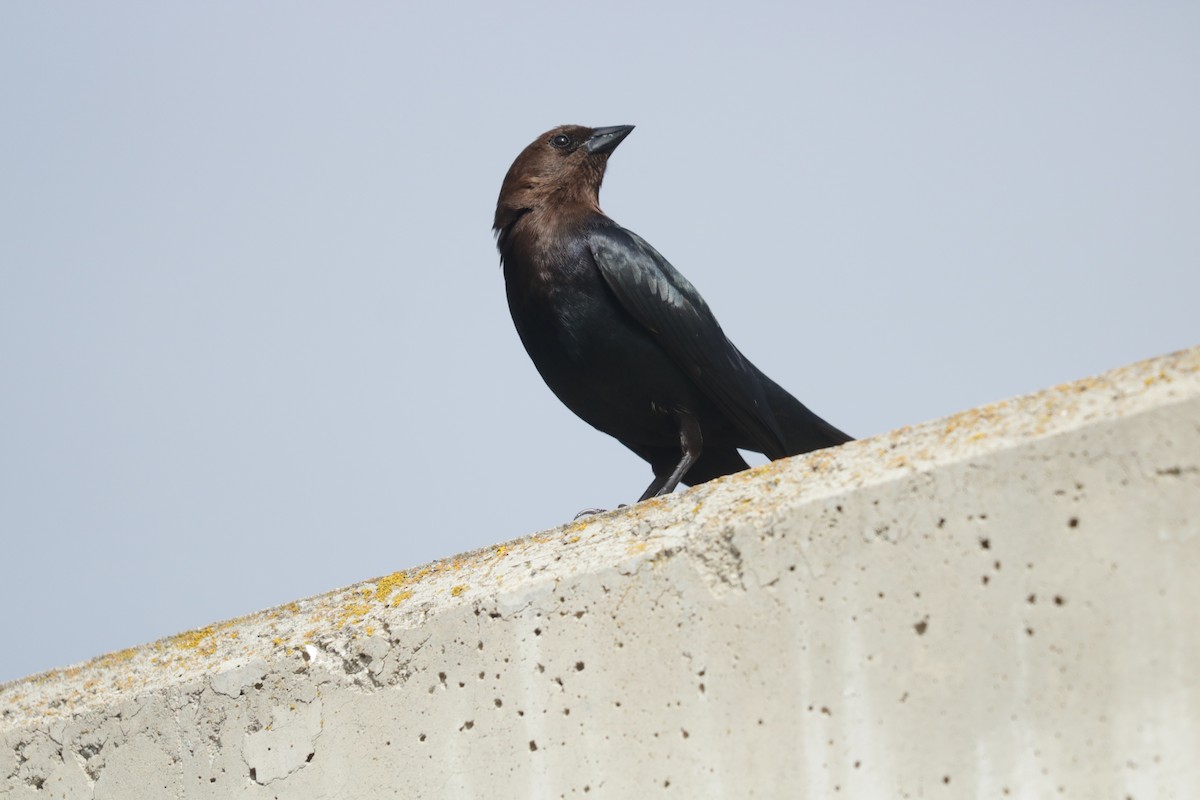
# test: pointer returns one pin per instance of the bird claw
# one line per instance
(587, 512)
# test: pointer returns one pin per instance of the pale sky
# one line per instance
(254, 342)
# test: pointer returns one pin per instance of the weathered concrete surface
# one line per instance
(1002, 603)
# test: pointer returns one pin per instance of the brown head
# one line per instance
(562, 168)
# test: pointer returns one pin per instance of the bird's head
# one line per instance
(561, 168)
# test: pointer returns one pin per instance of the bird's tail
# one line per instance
(802, 430)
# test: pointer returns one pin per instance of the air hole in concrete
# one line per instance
(532, 746)
(996, 564)
(442, 677)
(579, 666)
(253, 774)
(498, 702)
(309, 757)
(920, 628)
(537, 631)
(1073, 522)
(985, 543)
(941, 522)
(212, 780)
(946, 779)
(1031, 599)
(985, 580)
(1029, 631)
(1059, 600)
(684, 732)
(468, 725)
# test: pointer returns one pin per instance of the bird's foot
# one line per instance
(587, 512)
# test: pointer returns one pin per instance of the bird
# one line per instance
(623, 339)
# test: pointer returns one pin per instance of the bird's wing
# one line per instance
(669, 307)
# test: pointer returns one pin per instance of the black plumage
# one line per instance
(620, 336)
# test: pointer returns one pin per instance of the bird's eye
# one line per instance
(560, 140)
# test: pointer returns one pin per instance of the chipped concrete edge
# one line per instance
(322, 628)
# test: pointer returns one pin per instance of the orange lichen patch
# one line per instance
(113, 659)
(637, 547)
(386, 585)
(576, 526)
(653, 503)
(351, 612)
(400, 598)
(203, 641)
(973, 417)
(457, 591)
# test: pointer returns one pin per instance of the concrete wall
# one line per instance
(1002, 603)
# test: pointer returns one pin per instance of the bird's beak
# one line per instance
(605, 140)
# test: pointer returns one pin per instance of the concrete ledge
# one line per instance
(1005, 602)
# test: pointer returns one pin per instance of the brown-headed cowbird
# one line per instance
(623, 339)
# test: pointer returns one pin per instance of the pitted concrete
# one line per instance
(1002, 603)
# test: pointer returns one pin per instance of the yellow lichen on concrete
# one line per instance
(386, 585)
(351, 612)
(200, 640)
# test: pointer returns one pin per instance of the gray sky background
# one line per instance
(253, 337)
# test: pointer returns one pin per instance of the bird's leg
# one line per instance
(652, 490)
(691, 442)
